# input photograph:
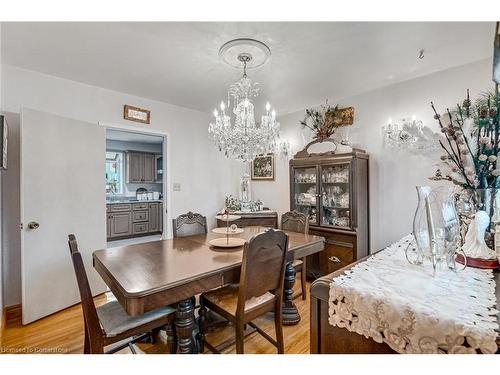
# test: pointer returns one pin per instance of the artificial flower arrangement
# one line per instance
(232, 204)
(321, 120)
(471, 142)
(472, 147)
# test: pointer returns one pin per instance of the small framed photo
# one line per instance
(263, 168)
(136, 114)
(4, 132)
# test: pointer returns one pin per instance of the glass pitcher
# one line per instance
(436, 227)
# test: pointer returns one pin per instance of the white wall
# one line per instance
(11, 235)
(1, 211)
(393, 174)
(129, 189)
(200, 169)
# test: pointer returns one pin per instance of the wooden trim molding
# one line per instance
(2, 325)
(13, 313)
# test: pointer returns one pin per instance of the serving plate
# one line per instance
(227, 242)
(229, 231)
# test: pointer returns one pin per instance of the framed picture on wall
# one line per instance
(263, 168)
(136, 114)
(4, 131)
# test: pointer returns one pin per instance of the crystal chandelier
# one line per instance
(235, 131)
(410, 135)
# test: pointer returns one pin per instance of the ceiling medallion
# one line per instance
(230, 52)
(235, 131)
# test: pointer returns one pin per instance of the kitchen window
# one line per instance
(114, 172)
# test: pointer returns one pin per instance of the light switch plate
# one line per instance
(177, 186)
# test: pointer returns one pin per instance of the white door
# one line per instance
(63, 190)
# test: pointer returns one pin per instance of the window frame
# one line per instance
(121, 175)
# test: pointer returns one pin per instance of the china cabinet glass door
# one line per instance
(306, 192)
(335, 196)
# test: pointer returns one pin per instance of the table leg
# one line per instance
(184, 324)
(171, 337)
(290, 313)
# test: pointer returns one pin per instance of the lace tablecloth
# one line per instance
(389, 300)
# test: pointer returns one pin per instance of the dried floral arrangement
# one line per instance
(472, 142)
(232, 203)
(321, 120)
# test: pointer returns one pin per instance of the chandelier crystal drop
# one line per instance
(237, 135)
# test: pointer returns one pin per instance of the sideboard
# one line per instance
(327, 339)
(264, 218)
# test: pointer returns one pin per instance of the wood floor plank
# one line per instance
(62, 332)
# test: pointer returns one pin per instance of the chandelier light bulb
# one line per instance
(268, 106)
(273, 114)
(245, 103)
(222, 106)
(216, 113)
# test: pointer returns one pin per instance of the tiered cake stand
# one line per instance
(227, 241)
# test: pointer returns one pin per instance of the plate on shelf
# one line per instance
(228, 217)
(225, 230)
(227, 242)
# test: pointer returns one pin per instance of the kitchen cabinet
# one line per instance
(159, 168)
(125, 220)
(121, 224)
(140, 167)
(140, 228)
(160, 218)
(138, 216)
(149, 168)
(332, 191)
(154, 215)
(108, 224)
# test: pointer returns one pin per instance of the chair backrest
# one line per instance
(295, 221)
(263, 266)
(189, 224)
(89, 311)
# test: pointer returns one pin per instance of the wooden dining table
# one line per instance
(146, 276)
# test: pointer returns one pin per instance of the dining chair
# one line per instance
(295, 221)
(108, 324)
(259, 291)
(189, 224)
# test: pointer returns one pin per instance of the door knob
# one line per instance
(33, 225)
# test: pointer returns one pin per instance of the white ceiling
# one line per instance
(178, 62)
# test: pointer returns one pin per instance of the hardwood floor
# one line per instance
(62, 332)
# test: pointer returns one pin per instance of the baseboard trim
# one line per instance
(2, 324)
(13, 313)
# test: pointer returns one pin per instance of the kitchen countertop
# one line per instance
(130, 201)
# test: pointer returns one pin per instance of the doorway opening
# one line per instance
(135, 187)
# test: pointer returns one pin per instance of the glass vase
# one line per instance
(436, 227)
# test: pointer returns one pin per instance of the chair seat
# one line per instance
(114, 319)
(297, 263)
(226, 298)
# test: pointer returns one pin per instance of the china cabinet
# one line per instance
(332, 190)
